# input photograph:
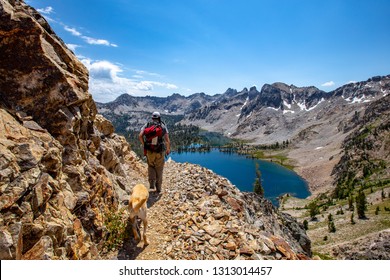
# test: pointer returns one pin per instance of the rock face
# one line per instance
(61, 166)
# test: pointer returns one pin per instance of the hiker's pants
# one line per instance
(155, 169)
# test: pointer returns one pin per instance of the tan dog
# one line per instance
(137, 208)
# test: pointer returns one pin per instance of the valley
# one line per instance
(319, 128)
(314, 122)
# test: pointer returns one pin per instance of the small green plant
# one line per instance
(305, 224)
(331, 225)
(340, 211)
(115, 224)
(350, 203)
(352, 219)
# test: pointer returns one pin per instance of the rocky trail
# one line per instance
(157, 235)
(159, 221)
(200, 215)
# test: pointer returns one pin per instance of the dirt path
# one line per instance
(157, 232)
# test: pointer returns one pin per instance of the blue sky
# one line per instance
(160, 47)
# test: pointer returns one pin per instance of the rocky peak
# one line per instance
(253, 93)
(126, 99)
(365, 91)
(283, 87)
(230, 92)
(175, 96)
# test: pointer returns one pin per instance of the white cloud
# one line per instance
(143, 72)
(46, 11)
(102, 70)
(73, 31)
(106, 84)
(93, 41)
(89, 40)
(328, 84)
(72, 47)
(149, 85)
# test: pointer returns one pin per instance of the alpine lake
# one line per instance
(241, 171)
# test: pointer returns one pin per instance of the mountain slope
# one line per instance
(366, 152)
(363, 166)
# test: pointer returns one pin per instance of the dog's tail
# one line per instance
(139, 204)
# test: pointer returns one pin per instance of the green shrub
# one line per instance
(115, 223)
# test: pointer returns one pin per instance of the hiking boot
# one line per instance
(152, 185)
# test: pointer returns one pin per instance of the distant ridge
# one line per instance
(276, 112)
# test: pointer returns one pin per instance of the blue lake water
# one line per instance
(241, 172)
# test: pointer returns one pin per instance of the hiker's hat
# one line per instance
(156, 115)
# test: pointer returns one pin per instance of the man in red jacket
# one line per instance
(154, 137)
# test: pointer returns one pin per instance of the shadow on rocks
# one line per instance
(130, 248)
(153, 198)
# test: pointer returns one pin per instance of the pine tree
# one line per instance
(313, 210)
(350, 202)
(257, 186)
(352, 219)
(331, 225)
(305, 224)
(361, 204)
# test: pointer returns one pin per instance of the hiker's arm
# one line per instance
(141, 137)
(167, 143)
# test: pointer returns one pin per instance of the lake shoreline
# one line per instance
(312, 162)
(277, 180)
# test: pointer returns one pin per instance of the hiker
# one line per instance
(155, 141)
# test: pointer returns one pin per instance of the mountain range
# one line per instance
(275, 113)
(315, 121)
